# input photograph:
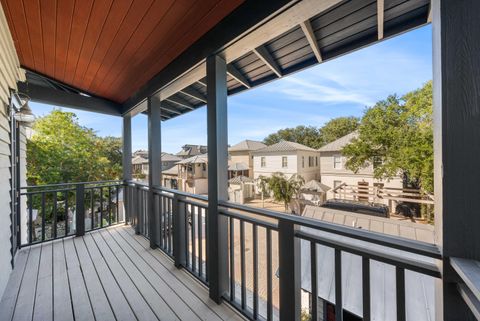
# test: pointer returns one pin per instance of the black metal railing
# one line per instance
(271, 254)
(54, 211)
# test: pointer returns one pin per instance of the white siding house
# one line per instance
(333, 171)
(288, 158)
(10, 73)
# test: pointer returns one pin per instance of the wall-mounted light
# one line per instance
(24, 113)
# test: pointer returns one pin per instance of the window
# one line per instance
(316, 161)
(303, 161)
(284, 161)
(337, 161)
(311, 161)
(263, 162)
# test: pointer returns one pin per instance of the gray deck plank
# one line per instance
(26, 296)
(160, 304)
(62, 301)
(141, 309)
(99, 301)
(82, 308)
(7, 305)
(166, 265)
(187, 306)
(44, 295)
(118, 302)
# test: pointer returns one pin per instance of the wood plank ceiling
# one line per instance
(109, 48)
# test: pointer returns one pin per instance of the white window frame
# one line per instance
(284, 161)
(337, 162)
(263, 161)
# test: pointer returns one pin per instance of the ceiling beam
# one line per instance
(181, 102)
(380, 17)
(267, 59)
(170, 110)
(264, 32)
(194, 94)
(312, 40)
(237, 75)
(48, 95)
(429, 18)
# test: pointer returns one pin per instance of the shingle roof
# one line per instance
(338, 144)
(247, 145)
(284, 146)
(171, 171)
(139, 160)
(167, 157)
(238, 167)
(197, 159)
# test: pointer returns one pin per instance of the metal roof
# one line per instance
(247, 145)
(238, 167)
(240, 180)
(419, 289)
(197, 159)
(338, 144)
(284, 146)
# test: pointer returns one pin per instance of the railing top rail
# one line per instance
(469, 272)
(71, 184)
(417, 247)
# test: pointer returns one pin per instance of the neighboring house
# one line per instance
(140, 162)
(333, 172)
(288, 158)
(240, 189)
(189, 150)
(193, 174)
(140, 152)
(170, 177)
(241, 158)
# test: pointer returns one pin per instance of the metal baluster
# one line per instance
(232, 259)
(269, 276)
(117, 212)
(242, 266)
(44, 216)
(338, 286)
(366, 288)
(170, 213)
(187, 226)
(30, 218)
(66, 213)
(200, 242)
(92, 208)
(400, 280)
(101, 207)
(194, 248)
(109, 205)
(55, 215)
(313, 279)
(255, 270)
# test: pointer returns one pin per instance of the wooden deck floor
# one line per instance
(110, 274)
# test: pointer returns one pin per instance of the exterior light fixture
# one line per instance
(24, 113)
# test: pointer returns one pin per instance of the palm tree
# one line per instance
(284, 189)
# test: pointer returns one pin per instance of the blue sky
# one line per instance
(341, 87)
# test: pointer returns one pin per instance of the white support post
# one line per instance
(127, 164)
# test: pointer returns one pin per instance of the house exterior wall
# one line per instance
(274, 164)
(10, 73)
(304, 169)
(329, 174)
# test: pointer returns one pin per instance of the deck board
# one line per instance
(109, 274)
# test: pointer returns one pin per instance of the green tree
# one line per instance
(60, 150)
(397, 136)
(262, 185)
(284, 189)
(306, 135)
(338, 127)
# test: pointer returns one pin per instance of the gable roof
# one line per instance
(338, 144)
(284, 146)
(247, 145)
(197, 159)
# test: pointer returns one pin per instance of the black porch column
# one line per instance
(456, 80)
(217, 251)
(154, 164)
(127, 164)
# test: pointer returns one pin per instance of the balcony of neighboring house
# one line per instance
(126, 250)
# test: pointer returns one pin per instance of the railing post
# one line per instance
(127, 163)
(136, 206)
(79, 210)
(179, 230)
(289, 271)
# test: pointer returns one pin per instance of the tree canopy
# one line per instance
(315, 137)
(61, 150)
(397, 136)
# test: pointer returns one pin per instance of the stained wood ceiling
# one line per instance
(109, 48)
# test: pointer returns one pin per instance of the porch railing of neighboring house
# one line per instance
(48, 212)
(272, 239)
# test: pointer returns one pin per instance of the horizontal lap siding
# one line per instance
(10, 73)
